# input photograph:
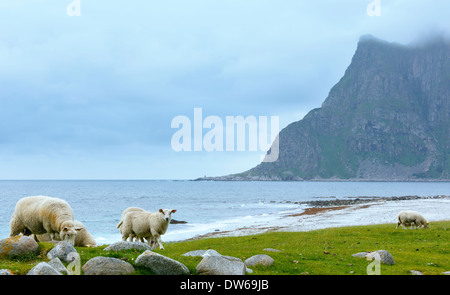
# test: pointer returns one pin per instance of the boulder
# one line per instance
(43, 268)
(260, 259)
(160, 264)
(127, 245)
(18, 246)
(107, 266)
(220, 265)
(62, 251)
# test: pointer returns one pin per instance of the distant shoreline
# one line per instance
(256, 178)
(351, 211)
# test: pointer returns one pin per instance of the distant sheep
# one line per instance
(82, 239)
(40, 215)
(411, 218)
(149, 225)
(130, 209)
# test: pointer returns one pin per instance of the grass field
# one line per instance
(319, 252)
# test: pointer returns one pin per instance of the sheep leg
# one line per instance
(158, 240)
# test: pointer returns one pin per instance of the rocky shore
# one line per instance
(361, 200)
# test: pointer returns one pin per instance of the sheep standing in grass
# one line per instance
(130, 209)
(40, 215)
(82, 239)
(149, 225)
(411, 218)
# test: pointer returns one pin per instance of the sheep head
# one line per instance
(167, 213)
(69, 232)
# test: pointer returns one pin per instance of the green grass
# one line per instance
(320, 252)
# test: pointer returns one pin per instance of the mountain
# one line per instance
(388, 118)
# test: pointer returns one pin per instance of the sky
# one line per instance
(89, 88)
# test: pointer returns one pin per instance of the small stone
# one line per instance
(5, 272)
(127, 245)
(272, 250)
(385, 256)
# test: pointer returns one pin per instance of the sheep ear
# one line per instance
(173, 211)
(161, 211)
(78, 228)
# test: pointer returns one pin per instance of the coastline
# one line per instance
(343, 212)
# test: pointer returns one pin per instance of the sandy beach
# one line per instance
(364, 211)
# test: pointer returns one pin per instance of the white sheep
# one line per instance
(149, 225)
(40, 215)
(82, 239)
(130, 209)
(411, 218)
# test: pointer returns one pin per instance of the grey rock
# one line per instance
(57, 265)
(43, 268)
(18, 246)
(446, 273)
(107, 266)
(195, 253)
(360, 254)
(416, 273)
(385, 256)
(220, 265)
(260, 259)
(161, 264)
(126, 245)
(62, 251)
(272, 250)
(209, 252)
(5, 272)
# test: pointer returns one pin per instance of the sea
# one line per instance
(204, 206)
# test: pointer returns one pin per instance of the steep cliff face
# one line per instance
(388, 118)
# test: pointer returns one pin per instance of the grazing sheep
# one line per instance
(82, 239)
(40, 215)
(407, 218)
(149, 225)
(130, 209)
